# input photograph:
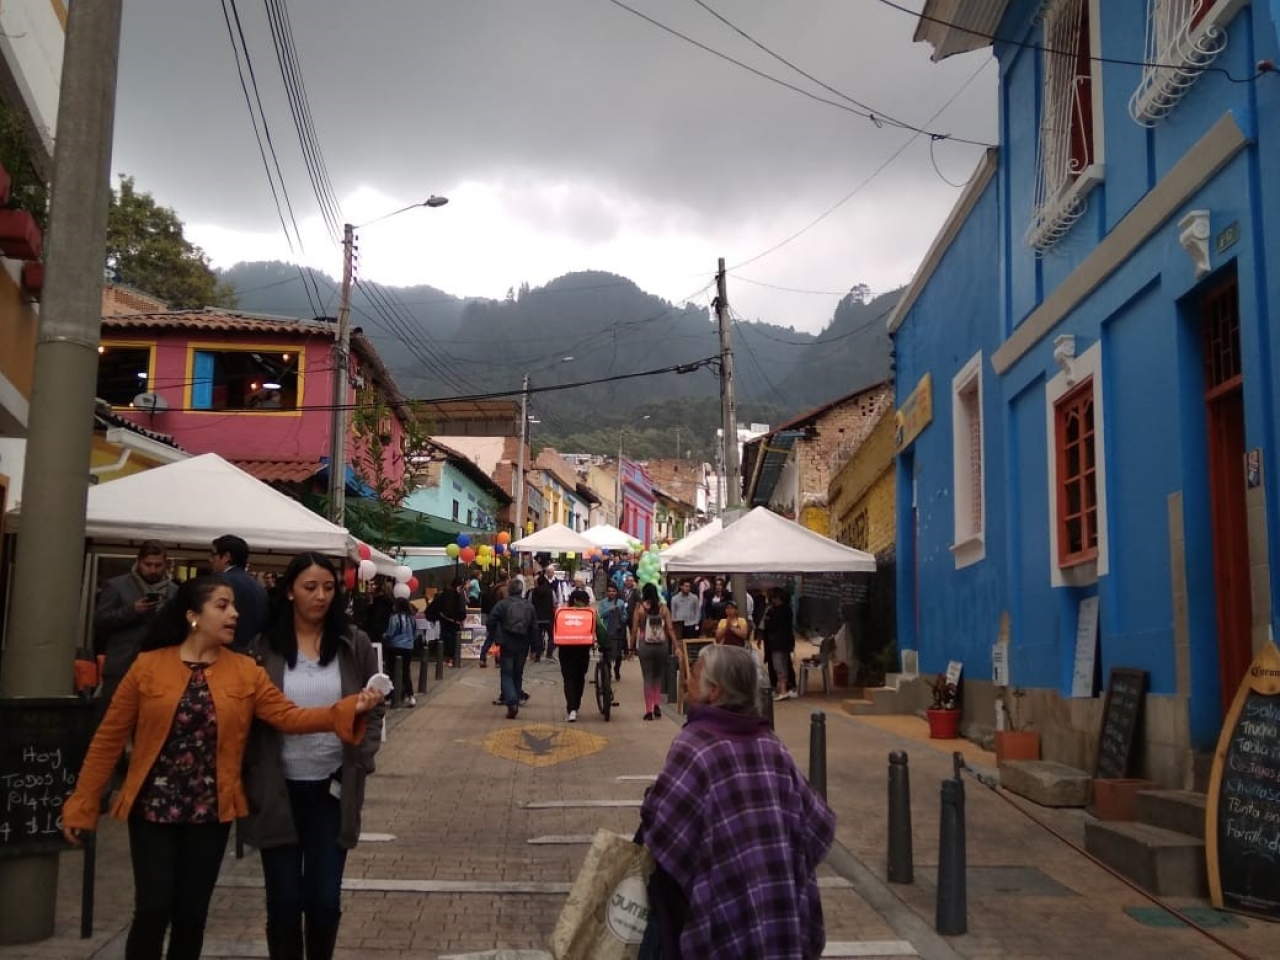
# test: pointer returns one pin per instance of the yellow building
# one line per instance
(861, 495)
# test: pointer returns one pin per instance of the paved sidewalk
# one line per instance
(475, 827)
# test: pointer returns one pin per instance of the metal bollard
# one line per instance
(952, 896)
(766, 695)
(900, 854)
(422, 670)
(818, 752)
(439, 660)
(673, 679)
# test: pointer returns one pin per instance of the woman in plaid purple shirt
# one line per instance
(735, 830)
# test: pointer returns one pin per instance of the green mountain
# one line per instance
(593, 326)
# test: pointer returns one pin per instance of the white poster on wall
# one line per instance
(1086, 648)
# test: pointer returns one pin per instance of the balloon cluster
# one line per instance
(483, 554)
(366, 570)
(405, 584)
(649, 569)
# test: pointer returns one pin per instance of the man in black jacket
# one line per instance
(124, 610)
(230, 557)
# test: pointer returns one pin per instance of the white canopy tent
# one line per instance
(608, 537)
(556, 538)
(190, 503)
(687, 543)
(763, 542)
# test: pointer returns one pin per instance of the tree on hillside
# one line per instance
(146, 249)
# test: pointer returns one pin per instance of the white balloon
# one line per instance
(368, 570)
(401, 591)
(403, 573)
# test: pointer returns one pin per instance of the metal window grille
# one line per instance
(1077, 505)
(1221, 312)
(1177, 51)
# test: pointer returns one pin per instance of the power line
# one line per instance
(774, 286)
(864, 114)
(737, 322)
(878, 117)
(1024, 45)
(237, 50)
(875, 173)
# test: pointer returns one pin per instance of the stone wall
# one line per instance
(862, 492)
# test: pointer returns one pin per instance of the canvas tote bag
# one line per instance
(608, 906)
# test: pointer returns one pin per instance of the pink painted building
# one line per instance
(255, 390)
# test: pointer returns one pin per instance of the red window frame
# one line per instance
(1077, 476)
(1082, 152)
(1200, 12)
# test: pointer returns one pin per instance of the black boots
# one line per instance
(321, 940)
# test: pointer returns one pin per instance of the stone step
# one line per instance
(1181, 811)
(1160, 861)
(1045, 782)
(875, 702)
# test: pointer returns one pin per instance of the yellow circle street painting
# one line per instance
(542, 744)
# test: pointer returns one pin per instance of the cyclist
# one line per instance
(575, 633)
(613, 615)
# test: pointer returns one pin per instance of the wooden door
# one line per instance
(1224, 407)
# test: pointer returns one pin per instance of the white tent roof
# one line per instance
(191, 502)
(687, 543)
(556, 538)
(763, 542)
(608, 537)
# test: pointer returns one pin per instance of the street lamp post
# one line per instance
(341, 362)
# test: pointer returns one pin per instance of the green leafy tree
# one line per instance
(391, 471)
(147, 250)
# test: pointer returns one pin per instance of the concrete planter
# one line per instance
(1017, 745)
(1116, 799)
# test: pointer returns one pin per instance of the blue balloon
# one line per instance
(463, 540)
(499, 548)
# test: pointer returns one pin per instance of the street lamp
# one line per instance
(341, 359)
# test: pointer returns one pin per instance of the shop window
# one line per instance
(244, 380)
(123, 373)
(1077, 484)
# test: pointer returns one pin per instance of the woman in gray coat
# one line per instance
(306, 792)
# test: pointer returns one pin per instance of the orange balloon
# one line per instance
(504, 537)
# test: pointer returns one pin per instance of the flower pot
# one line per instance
(1017, 745)
(19, 236)
(1117, 799)
(33, 278)
(943, 724)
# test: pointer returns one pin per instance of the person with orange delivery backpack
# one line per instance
(575, 633)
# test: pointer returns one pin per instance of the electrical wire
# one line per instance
(875, 173)
(861, 328)
(1024, 45)
(237, 51)
(774, 286)
(864, 114)
(751, 354)
(877, 117)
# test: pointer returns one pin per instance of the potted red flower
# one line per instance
(944, 715)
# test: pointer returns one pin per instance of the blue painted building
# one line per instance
(454, 488)
(1086, 380)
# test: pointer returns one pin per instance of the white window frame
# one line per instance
(1177, 51)
(1086, 365)
(1061, 193)
(970, 545)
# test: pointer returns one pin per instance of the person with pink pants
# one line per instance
(652, 635)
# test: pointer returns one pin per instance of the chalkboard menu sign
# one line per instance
(1242, 816)
(1121, 714)
(839, 588)
(42, 745)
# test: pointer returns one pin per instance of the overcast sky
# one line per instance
(567, 135)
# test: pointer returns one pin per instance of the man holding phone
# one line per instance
(125, 607)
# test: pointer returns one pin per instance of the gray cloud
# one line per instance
(419, 96)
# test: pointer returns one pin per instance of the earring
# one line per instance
(193, 624)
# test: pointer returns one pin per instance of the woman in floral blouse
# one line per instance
(188, 705)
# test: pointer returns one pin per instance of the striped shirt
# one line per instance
(312, 756)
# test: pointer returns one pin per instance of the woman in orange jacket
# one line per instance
(188, 704)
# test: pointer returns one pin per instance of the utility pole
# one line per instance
(341, 365)
(524, 433)
(617, 490)
(43, 626)
(728, 409)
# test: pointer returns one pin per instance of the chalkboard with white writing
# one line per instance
(42, 744)
(1121, 715)
(1242, 828)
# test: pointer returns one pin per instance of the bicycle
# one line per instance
(604, 686)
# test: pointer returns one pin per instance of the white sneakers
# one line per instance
(789, 695)
(572, 716)
(411, 702)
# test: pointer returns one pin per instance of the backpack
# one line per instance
(432, 613)
(655, 630)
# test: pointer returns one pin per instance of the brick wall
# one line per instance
(862, 492)
(121, 301)
(843, 427)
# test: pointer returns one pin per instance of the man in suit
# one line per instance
(230, 557)
(124, 610)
